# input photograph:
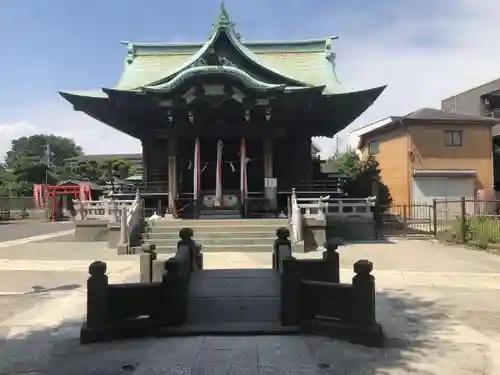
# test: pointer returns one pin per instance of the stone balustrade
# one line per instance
(104, 209)
(346, 207)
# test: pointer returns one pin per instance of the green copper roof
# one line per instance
(213, 70)
(301, 69)
(307, 62)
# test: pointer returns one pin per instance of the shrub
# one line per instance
(483, 229)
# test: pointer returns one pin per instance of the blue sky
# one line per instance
(51, 45)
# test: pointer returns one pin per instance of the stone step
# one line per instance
(217, 223)
(199, 230)
(220, 216)
(220, 210)
(246, 233)
(205, 241)
(171, 249)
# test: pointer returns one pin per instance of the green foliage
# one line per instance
(480, 229)
(26, 163)
(33, 149)
(102, 172)
(362, 173)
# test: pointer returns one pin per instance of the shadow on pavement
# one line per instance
(61, 288)
(418, 334)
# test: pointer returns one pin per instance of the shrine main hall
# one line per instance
(227, 122)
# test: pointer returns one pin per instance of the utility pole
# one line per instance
(47, 162)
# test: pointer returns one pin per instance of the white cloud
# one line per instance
(57, 117)
(9, 132)
(464, 53)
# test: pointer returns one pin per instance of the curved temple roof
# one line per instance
(302, 65)
(239, 74)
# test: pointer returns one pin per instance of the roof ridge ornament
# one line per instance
(331, 56)
(224, 21)
(223, 14)
(130, 53)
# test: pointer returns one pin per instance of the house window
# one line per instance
(453, 138)
(373, 148)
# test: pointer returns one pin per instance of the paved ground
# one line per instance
(32, 273)
(14, 230)
(440, 306)
(219, 300)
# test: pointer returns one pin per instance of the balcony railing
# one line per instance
(495, 113)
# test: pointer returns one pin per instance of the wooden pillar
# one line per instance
(270, 183)
(172, 174)
(145, 161)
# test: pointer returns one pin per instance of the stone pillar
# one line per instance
(331, 260)
(363, 301)
(172, 174)
(270, 183)
(97, 296)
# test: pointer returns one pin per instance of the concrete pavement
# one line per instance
(15, 230)
(440, 307)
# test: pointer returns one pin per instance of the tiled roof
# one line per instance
(437, 114)
(101, 157)
(309, 67)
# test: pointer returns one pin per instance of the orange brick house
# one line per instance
(430, 154)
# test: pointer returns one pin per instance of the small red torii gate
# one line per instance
(43, 192)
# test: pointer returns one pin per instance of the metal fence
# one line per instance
(407, 219)
(464, 219)
(468, 220)
(16, 208)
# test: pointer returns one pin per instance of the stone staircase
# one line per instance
(216, 235)
(219, 214)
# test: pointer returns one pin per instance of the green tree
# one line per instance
(114, 169)
(86, 170)
(28, 163)
(362, 175)
(35, 147)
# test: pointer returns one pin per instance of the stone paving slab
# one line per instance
(236, 283)
(15, 230)
(58, 251)
(420, 255)
(114, 265)
(441, 314)
(36, 276)
(404, 255)
(21, 282)
(384, 277)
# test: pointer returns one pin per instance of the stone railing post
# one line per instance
(123, 243)
(198, 259)
(172, 282)
(97, 296)
(186, 239)
(113, 209)
(282, 235)
(364, 294)
(290, 293)
(146, 260)
(331, 260)
(81, 210)
(321, 209)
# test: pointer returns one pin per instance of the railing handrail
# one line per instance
(296, 219)
(130, 219)
(322, 206)
(495, 113)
